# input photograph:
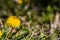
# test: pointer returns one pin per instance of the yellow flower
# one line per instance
(1, 33)
(13, 21)
(19, 1)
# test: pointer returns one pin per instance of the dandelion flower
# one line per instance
(19, 1)
(13, 21)
(1, 33)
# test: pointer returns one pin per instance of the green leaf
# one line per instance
(42, 35)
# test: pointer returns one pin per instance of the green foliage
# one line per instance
(33, 14)
(54, 36)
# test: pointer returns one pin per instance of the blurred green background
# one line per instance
(36, 16)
